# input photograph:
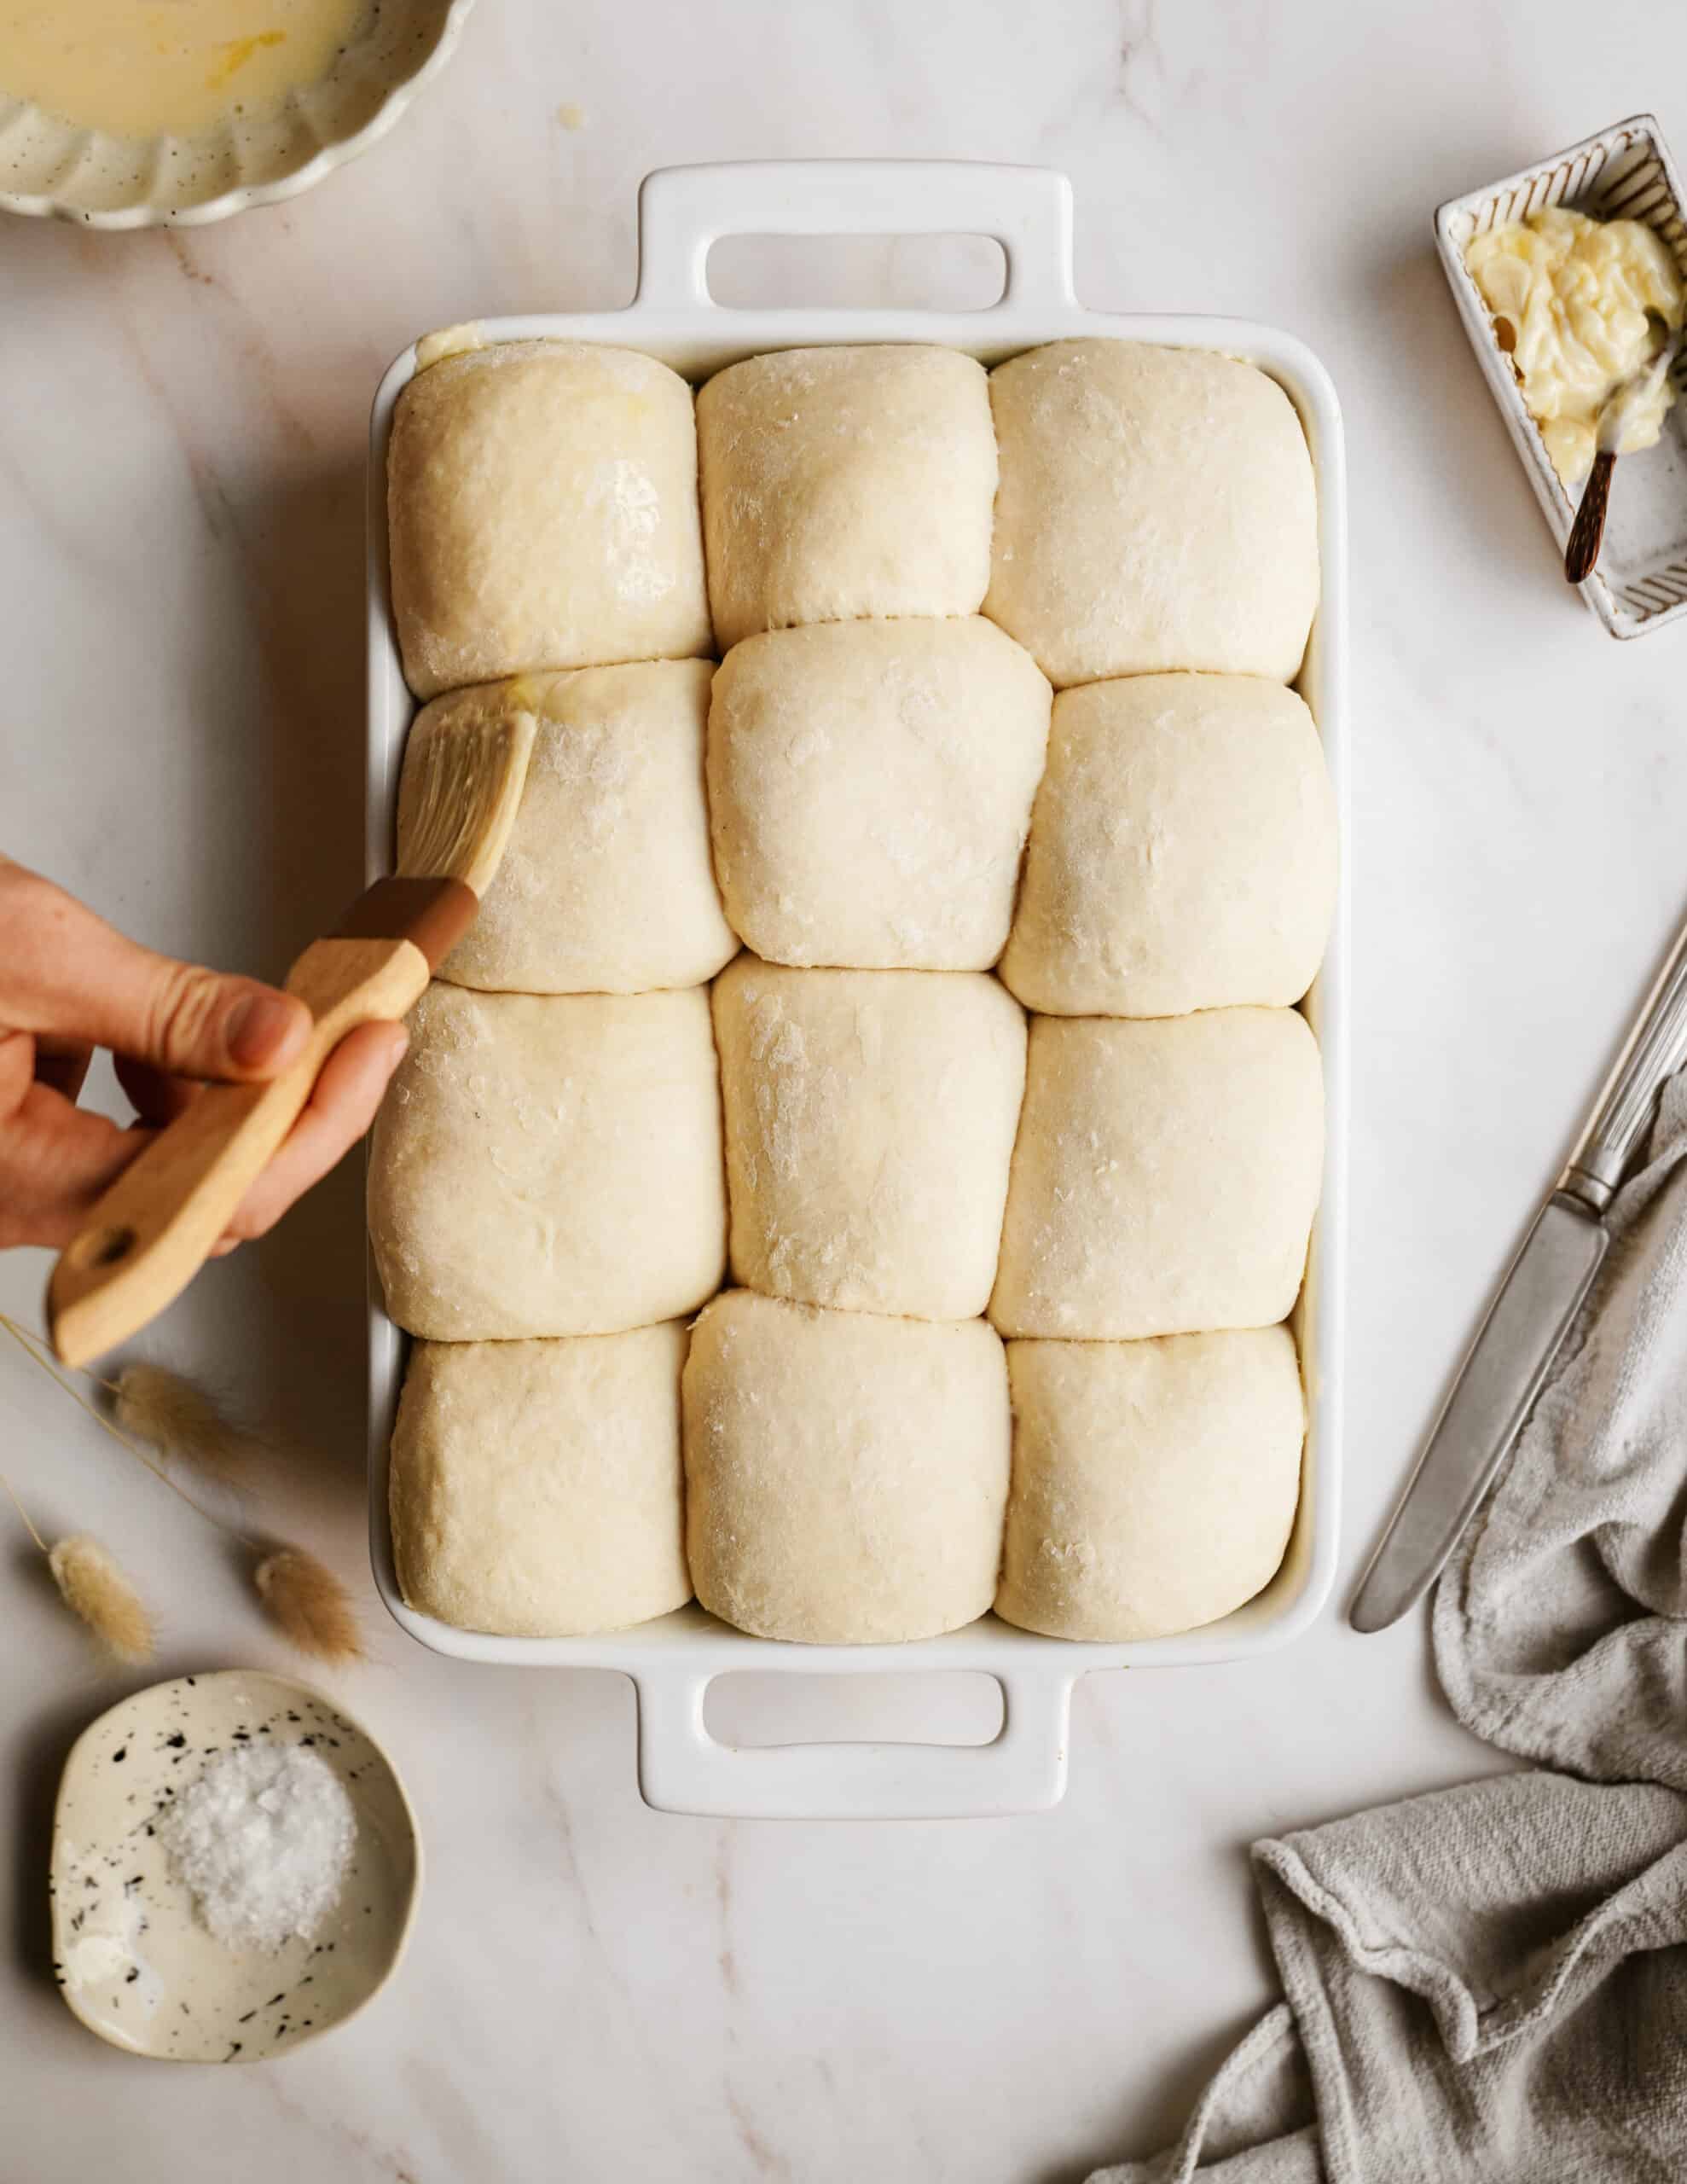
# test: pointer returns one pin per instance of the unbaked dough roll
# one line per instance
(607, 885)
(1155, 1483)
(542, 504)
(841, 482)
(548, 1164)
(845, 1474)
(870, 786)
(1165, 1176)
(870, 1118)
(1182, 852)
(1157, 510)
(536, 1486)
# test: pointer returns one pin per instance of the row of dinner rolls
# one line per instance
(1119, 509)
(553, 1165)
(863, 795)
(842, 1478)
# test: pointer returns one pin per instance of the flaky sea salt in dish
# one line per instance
(263, 1839)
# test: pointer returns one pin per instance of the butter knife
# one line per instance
(1526, 1324)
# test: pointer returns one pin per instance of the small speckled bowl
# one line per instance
(48, 166)
(131, 1956)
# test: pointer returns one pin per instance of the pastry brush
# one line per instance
(153, 1231)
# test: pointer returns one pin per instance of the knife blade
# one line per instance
(1499, 1381)
(1525, 1326)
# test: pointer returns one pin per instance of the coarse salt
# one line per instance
(263, 1839)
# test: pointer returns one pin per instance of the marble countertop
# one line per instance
(595, 1991)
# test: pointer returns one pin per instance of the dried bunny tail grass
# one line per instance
(179, 1418)
(307, 1602)
(301, 1595)
(24, 1517)
(35, 1348)
(95, 1589)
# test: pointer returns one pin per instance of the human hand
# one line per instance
(69, 983)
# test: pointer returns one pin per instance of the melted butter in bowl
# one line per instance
(175, 66)
(125, 112)
(1581, 305)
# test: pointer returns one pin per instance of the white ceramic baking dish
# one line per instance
(683, 212)
(1625, 172)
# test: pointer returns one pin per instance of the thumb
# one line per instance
(72, 976)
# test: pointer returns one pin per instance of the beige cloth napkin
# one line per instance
(1490, 1983)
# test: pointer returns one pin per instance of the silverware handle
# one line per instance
(1654, 1051)
(1581, 549)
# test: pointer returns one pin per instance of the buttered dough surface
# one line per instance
(870, 1118)
(1165, 1176)
(607, 885)
(1182, 852)
(536, 1487)
(846, 1472)
(1155, 1483)
(542, 512)
(1158, 511)
(548, 1164)
(842, 482)
(872, 793)
(870, 787)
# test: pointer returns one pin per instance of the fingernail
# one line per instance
(257, 1027)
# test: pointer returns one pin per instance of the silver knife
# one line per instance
(1544, 1289)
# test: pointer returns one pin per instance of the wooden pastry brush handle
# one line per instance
(161, 1219)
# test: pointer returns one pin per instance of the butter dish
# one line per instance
(1625, 173)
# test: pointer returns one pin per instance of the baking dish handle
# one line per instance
(683, 212)
(683, 1769)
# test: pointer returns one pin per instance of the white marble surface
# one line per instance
(596, 1991)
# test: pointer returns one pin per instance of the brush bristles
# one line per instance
(95, 1589)
(459, 795)
(307, 1602)
(176, 1416)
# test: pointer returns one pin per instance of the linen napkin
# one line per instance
(1490, 1983)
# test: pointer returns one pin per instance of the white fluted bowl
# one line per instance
(49, 167)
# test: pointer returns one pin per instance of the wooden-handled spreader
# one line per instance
(162, 1218)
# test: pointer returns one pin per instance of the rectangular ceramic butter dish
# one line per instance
(1624, 173)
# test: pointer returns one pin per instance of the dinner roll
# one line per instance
(548, 1164)
(1157, 510)
(1182, 852)
(1165, 1176)
(870, 785)
(542, 505)
(536, 1486)
(869, 1118)
(841, 482)
(1154, 1483)
(606, 885)
(845, 1473)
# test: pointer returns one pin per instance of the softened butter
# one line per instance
(1581, 305)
